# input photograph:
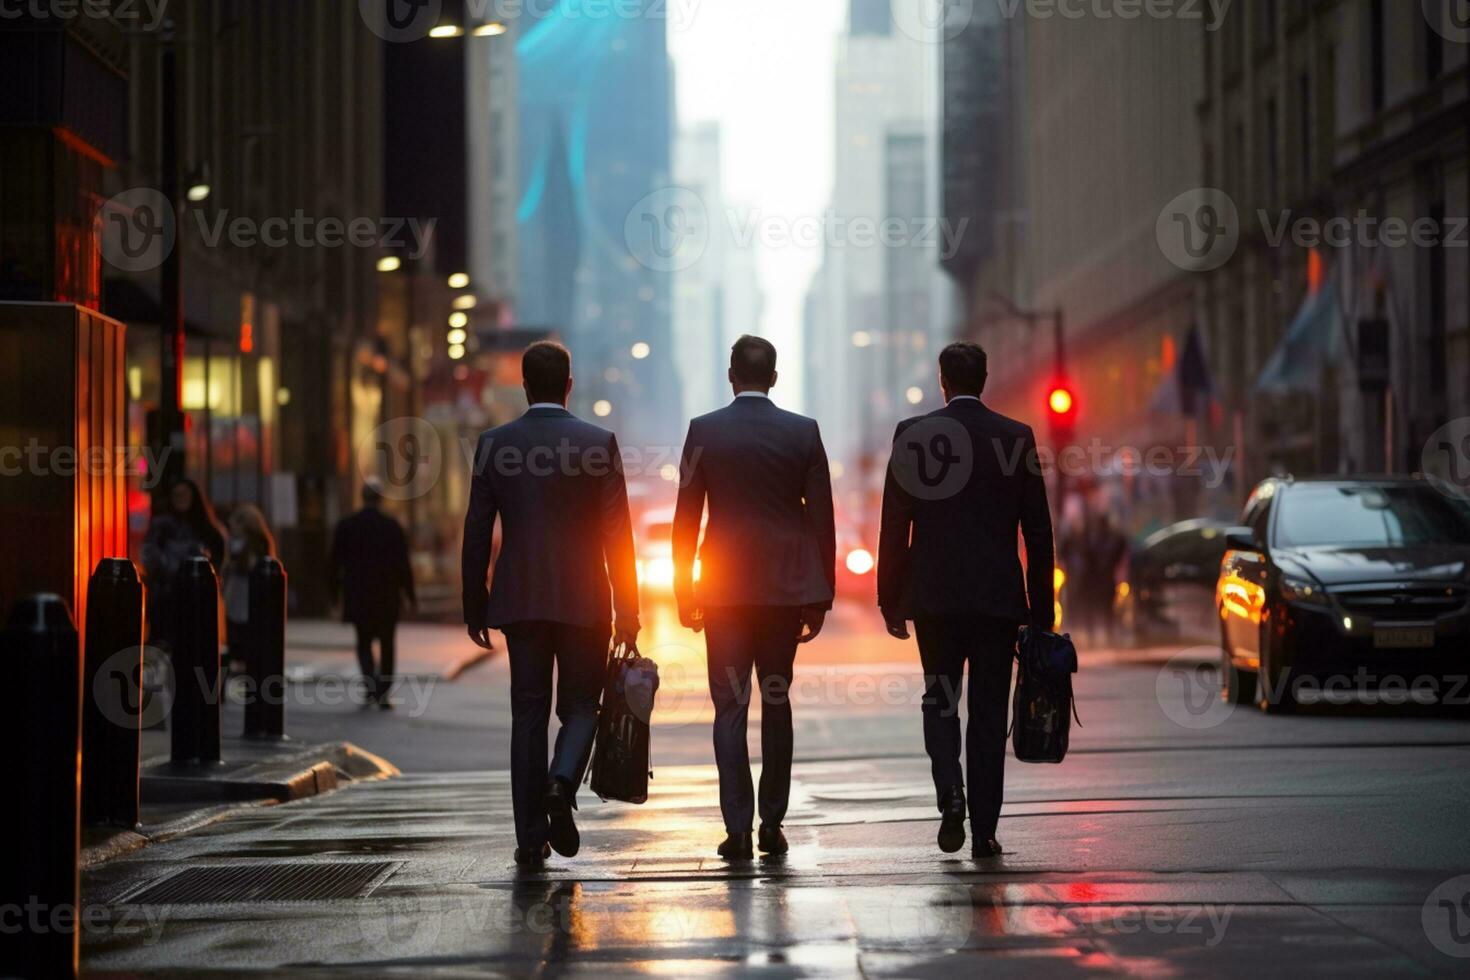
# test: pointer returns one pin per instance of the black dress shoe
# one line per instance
(527, 857)
(736, 847)
(772, 841)
(952, 821)
(564, 837)
(987, 848)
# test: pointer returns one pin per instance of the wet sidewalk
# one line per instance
(1116, 863)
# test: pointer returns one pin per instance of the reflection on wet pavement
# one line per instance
(647, 896)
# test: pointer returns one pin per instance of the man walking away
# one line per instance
(565, 577)
(767, 571)
(372, 577)
(960, 482)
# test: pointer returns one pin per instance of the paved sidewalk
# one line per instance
(1129, 879)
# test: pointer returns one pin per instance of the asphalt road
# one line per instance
(1180, 837)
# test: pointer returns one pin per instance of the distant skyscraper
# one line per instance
(874, 310)
(871, 17)
(595, 137)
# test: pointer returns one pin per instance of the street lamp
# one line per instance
(459, 280)
(493, 29)
(914, 395)
(458, 320)
(640, 351)
(602, 408)
(446, 30)
(390, 263)
(198, 184)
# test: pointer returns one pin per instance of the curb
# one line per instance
(311, 771)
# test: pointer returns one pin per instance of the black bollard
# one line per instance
(265, 662)
(196, 711)
(41, 732)
(112, 695)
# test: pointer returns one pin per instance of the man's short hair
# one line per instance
(546, 367)
(963, 366)
(753, 361)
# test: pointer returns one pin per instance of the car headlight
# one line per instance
(1304, 591)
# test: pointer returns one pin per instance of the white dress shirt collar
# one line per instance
(960, 398)
(547, 405)
(754, 394)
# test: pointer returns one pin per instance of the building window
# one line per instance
(1265, 25)
(1304, 100)
(1378, 83)
(1273, 152)
(1433, 51)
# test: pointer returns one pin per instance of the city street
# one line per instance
(1178, 838)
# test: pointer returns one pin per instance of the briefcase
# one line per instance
(1043, 706)
(620, 758)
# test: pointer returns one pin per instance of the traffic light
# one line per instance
(1061, 407)
(1061, 402)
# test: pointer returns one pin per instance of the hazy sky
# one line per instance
(763, 70)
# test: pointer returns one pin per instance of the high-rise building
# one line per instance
(872, 17)
(877, 305)
(717, 297)
(594, 140)
(1338, 352)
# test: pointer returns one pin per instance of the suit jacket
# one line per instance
(951, 548)
(370, 567)
(771, 540)
(557, 484)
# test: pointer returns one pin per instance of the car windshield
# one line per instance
(1370, 516)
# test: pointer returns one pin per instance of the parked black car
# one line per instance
(1346, 585)
(1171, 581)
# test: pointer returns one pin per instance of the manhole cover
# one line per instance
(262, 883)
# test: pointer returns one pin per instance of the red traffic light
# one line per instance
(1061, 401)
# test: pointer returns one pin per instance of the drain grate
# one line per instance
(263, 883)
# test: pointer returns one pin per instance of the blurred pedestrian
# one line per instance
(1103, 549)
(183, 527)
(250, 541)
(372, 577)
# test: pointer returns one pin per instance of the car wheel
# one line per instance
(1236, 686)
(1274, 692)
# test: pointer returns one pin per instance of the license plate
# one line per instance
(1415, 638)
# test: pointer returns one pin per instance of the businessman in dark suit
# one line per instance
(564, 579)
(372, 577)
(960, 482)
(767, 569)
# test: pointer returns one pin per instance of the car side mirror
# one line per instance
(1241, 539)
